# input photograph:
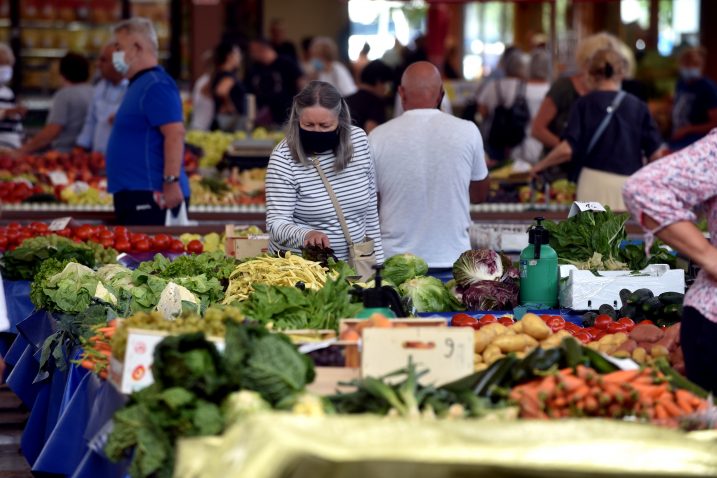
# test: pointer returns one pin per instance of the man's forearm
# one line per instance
(173, 153)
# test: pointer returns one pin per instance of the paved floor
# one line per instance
(12, 421)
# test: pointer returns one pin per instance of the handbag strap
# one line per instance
(334, 200)
(606, 120)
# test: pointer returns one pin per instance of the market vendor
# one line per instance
(429, 167)
(299, 210)
(662, 196)
(145, 167)
(608, 134)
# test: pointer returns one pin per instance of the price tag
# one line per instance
(579, 207)
(447, 353)
(59, 224)
(58, 178)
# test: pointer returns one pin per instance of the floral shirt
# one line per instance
(668, 191)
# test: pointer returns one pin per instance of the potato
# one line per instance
(479, 367)
(495, 328)
(594, 345)
(629, 346)
(521, 355)
(477, 358)
(517, 327)
(619, 338)
(535, 327)
(659, 351)
(621, 354)
(608, 349)
(514, 343)
(639, 355)
(668, 341)
(673, 331)
(554, 340)
(485, 336)
(646, 333)
(491, 354)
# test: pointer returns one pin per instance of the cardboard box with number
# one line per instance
(242, 247)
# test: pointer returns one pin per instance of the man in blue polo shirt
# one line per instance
(145, 167)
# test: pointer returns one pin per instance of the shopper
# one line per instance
(299, 210)
(227, 91)
(327, 67)
(552, 117)
(11, 130)
(106, 98)
(662, 197)
(608, 134)
(429, 168)
(274, 80)
(68, 111)
(145, 167)
(202, 101)
(694, 113)
(368, 104)
(277, 34)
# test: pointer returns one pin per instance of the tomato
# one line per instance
(463, 320)
(39, 227)
(487, 319)
(546, 318)
(141, 245)
(3, 243)
(646, 322)
(627, 322)
(83, 232)
(135, 237)
(107, 242)
(161, 242)
(603, 321)
(121, 231)
(195, 247)
(571, 327)
(14, 226)
(616, 327)
(66, 232)
(556, 323)
(505, 320)
(176, 246)
(122, 245)
(105, 234)
(583, 337)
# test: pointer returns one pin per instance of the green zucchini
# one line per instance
(671, 298)
(640, 296)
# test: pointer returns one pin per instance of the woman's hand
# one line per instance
(316, 238)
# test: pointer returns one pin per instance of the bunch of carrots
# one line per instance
(582, 392)
(96, 350)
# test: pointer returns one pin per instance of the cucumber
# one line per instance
(652, 307)
(670, 298)
(608, 310)
(640, 296)
(624, 295)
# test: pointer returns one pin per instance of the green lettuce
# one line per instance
(402, 267)
(429, 294)
(73, 289)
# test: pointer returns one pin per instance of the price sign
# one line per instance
(59, 224)
(58, 178)
(579, 207)
(447, 353)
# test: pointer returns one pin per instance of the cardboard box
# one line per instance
(244, 247)
(328, 379)
(583, 290)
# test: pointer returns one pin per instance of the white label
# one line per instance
(58, 178)
(579, 207)
(447, 353)
(59, 224)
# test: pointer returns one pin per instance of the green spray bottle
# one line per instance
(539, 273)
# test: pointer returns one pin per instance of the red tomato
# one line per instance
(122, 245)
(141, 245)
(463, 320)
(105, 234)
(83, 232)
(627, 322)
(603, 321)
(556, 323)
(195, 247)
(546, 318)
(121, 231)
(66, 232)
(487, 319)
(161, 242)
(646, 321)
(107, 242)
(135, 237)
(571, 327)
(583, 337)
(14, 226)
(3, 243)
(176, 246)
(505, 320)
(39, 227)
(616, 327)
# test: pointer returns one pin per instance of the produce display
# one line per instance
(486, 280)
(215, 143)
(239, 188)
(663, 310)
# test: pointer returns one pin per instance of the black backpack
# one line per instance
(507, 129)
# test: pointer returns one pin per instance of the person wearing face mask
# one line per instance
(299, 209)
(324, 60)
(368, 104)
(430, 166)
(68, 111)
(145, 154)
(694, 112)
(227, 90)
(11, 131)
(108, 94)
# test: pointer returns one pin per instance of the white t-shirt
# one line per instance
(340, 77)
(202, 106)
(425, 160)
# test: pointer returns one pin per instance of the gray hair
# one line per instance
(6, 51)
(516, 65)
(320, 93)
(141, 26)
(540, 65)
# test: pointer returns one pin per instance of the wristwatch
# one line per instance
(171, 179)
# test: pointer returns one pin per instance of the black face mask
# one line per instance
(318, 141)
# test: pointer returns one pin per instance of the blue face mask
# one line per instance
(318, 64)
(119, 62)
(691, 73)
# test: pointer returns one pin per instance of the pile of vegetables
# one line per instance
(96, 350)
(592, 240)
(663, 310)
(647, 394)
(192, 381)
(288, 271)
(486, 280)
(212, 264)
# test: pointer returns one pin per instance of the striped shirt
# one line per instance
(297, 201)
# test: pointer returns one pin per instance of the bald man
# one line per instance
(106, 99)
(429, 168)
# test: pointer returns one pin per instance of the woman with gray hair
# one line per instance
(299, 209)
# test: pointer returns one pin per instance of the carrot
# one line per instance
(548, 386)
(670, 407)
(652, 391)
(591, 404)
(580, 392)
(661, 412)
(571, 382)
(560, 402)
(684, 403)
(621, 376)
(88, 364)
(582, 371)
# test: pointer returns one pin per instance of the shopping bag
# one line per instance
(181, 219)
